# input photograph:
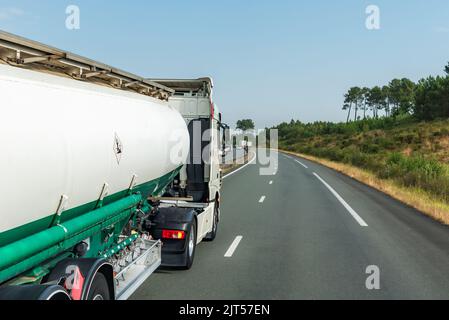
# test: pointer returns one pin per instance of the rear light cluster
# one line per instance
(173, 234)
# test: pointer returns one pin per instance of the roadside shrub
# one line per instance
(417, 171)
(356, 158)
(369, 148)
(408, 138)
(384, 143)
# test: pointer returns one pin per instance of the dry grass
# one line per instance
(413, 197)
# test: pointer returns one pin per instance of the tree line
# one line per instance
(426, 100)
(245, 124)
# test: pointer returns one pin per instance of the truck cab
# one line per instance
(189, 212)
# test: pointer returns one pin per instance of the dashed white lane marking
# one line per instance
(262, 199)
(233, 247)
(302, 164)
(271, 182)
(343, 202)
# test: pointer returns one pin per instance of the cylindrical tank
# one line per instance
(62, 137)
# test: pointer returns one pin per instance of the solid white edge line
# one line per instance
(241, 168)
(262, 199)
(343, 202)
(291, 158)
(233, 247)
(302, 164)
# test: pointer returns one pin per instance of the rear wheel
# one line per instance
(99, 290)
(191, 246)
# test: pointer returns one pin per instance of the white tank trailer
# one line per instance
(67, 141)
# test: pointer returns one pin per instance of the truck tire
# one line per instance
(190, 246)
(99, 290)
(213, 234)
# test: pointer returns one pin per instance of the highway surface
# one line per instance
(308, 232)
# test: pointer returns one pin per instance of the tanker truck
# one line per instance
(102, 174)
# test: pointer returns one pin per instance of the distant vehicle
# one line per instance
(225, 151)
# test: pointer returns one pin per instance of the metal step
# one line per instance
(132, 276)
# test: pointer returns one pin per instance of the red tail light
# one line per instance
(173, 234)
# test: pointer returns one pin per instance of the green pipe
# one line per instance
(23, 249)
(43, 256)
(122, 245)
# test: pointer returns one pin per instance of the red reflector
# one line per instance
(76, 287)
(173, 234)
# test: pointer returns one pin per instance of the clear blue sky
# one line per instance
(271, 60)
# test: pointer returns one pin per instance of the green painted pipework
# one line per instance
(43, 256)
(24, 254)
(122, 245)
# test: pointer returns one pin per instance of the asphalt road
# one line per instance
(300, 240)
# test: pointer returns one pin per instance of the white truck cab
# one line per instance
(196, 191)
